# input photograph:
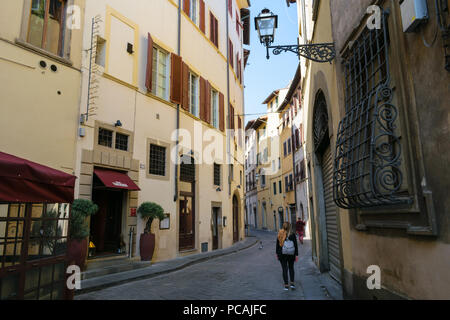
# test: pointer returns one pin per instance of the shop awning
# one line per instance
(115, 179)
(25, 181)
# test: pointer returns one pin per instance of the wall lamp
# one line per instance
(266, 24)
(118, 124)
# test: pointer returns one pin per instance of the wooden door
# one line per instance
(215, 228)
(235, 219)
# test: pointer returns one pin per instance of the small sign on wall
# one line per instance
(132, 212)
(165, 224)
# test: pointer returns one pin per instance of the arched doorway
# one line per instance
(235, 219)
(328, 219)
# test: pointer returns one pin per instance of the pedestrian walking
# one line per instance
(300, 229)
(287, 253)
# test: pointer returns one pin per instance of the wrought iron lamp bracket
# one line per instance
(320, 52)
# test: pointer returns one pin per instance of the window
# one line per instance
(47, 25)
(280, 186)
(286, 183)
(263, 179)
(160, 77)
(193, 12)
(157, 164)
(232, 172)
(105, 137)
(289, 146)
(285, 149)
(369, 166)
(274, 188)
(279, 163)
(215, 108)
(216, 174)
(121, 142)
(213, 30)
(194, 94)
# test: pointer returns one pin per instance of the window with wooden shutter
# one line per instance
(221, 112)
(148, 78)
(245, 15)
(230, 7)
(176, 82)
(232, 118)
(213, 30)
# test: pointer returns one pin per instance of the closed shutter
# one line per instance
(331, 217)
(202, 16)
(149, 71)
(187, 7)
(245, 14)
(221, 112)
(185, 86)
(176, 79)
(231, 122)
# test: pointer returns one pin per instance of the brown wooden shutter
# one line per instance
(208, 102)
(203, 111)
(216, 32)
(245, 14)
(176, 80)
(231, 118)
(185, 86)
(149, 72)
(221, 112)
(211, 27)
(187, 6)
(202, 15)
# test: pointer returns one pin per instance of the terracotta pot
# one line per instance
(77, 251)
(147, 246)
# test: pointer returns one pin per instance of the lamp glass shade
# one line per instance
(265, 24)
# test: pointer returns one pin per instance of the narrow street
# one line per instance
(251, 274)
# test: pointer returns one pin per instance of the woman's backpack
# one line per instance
(288, 247)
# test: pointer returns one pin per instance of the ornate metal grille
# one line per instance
(367, 170)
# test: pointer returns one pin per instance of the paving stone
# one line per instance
(250, 274)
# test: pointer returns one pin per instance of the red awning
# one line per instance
(25, 181)
(116, 180)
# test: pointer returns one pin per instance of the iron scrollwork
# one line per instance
(368, 161)
(322, 52)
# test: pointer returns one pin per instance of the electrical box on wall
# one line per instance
(414, 12)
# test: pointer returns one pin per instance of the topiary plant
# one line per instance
(81, 209)
(150, 211)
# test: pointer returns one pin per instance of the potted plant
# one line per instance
(79, 231)
(149, 211)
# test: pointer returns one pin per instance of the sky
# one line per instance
(263, 76)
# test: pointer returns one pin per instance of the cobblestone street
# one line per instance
(252, 274)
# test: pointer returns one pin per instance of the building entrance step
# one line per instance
(110, 265)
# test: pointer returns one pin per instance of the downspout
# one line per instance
(175, 197)
(228, 97)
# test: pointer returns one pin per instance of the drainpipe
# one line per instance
(228, 98)
(175, 197)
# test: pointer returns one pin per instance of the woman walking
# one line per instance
(287, 253)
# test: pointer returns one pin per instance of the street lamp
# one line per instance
(266, 24)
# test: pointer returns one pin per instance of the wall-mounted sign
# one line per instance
(132, 212)
(165, 223)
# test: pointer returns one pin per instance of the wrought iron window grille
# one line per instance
(368, 161)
